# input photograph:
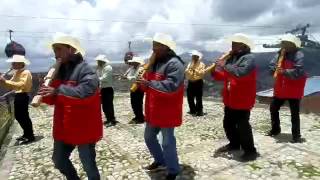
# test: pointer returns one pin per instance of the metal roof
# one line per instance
(312, 86)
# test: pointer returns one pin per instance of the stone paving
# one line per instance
(121, 153)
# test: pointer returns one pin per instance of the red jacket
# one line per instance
(286, 87)
(163, 109)
(76, 121)
(238, 92)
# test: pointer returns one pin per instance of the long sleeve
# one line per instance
(242, 67)
(298, 70)
(273, 63)
(195, 71)
(174, 77)
(20, 82)
(87, 85)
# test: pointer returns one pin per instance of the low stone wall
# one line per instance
(6, 119)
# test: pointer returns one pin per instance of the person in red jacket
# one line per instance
(77, 120)
(239, 92)
(164, 88)
(290, 80)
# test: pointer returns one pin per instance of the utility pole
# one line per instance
(10, 34)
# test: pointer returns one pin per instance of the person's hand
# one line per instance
(2, 98)
(46, 91)
(2, 79)
(280, 70)
(221, 63)
(142, 82)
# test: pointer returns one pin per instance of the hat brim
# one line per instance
(249, 43)
(106, 61)
(11, 60)
(79, 49)
(291, 41)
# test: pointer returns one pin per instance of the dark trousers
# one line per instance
(21, 113)
(87, 154)
(107, 103)
(238, 129)
(294, 105)
(195, 92)
(137, 103)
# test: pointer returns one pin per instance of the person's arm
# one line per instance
(16, 85)
(298, 70)
(174, 77)
(242, 68)
(199, 71)
(106, 73)
(87, 85)
(273, 63)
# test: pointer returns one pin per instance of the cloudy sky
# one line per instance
(105, 26)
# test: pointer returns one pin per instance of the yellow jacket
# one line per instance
(20, 82)
(195, 71)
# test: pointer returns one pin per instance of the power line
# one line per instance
(143, 22)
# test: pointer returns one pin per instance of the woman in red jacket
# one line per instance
(290, 80)
(77, 118)
(239, 93)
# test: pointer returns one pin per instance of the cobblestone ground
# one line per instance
(121, 153)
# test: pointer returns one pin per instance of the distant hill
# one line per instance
(264, 80)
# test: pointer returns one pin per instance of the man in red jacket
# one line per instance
(290, 80)
(77, 118)
(239, 75)
(164, 88)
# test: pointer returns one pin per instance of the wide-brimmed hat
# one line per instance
(166, 40)
(68, 40)
(136, 59)
(18, 58)
(103, 58)
(242, 38)
(196, 53)
(291, 38)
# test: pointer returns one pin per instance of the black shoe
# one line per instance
(296, 140)
(199, 114)
(155, 167)
(171, 176)
(27, 140)
(227, 148)
(20, 138)
(111, 123)
(133, 121)
(191, 113)
(249, 156)
(273, 133)
(139, 121)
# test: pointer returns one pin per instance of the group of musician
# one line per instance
(77, 92)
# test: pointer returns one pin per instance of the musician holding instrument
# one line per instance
(77, 122)
(290, 79)
(163, 83)
(104, 72)
(194, 74)
(238, 72)
(136, 94)
(21, 83)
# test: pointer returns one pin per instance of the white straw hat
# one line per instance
(18, 58)
(196, 53)
(102, 57)
(137, 59)
(61, 38)
(293, 39)
(242, 38)
(165, 39)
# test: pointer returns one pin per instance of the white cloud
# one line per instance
(123, 20)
